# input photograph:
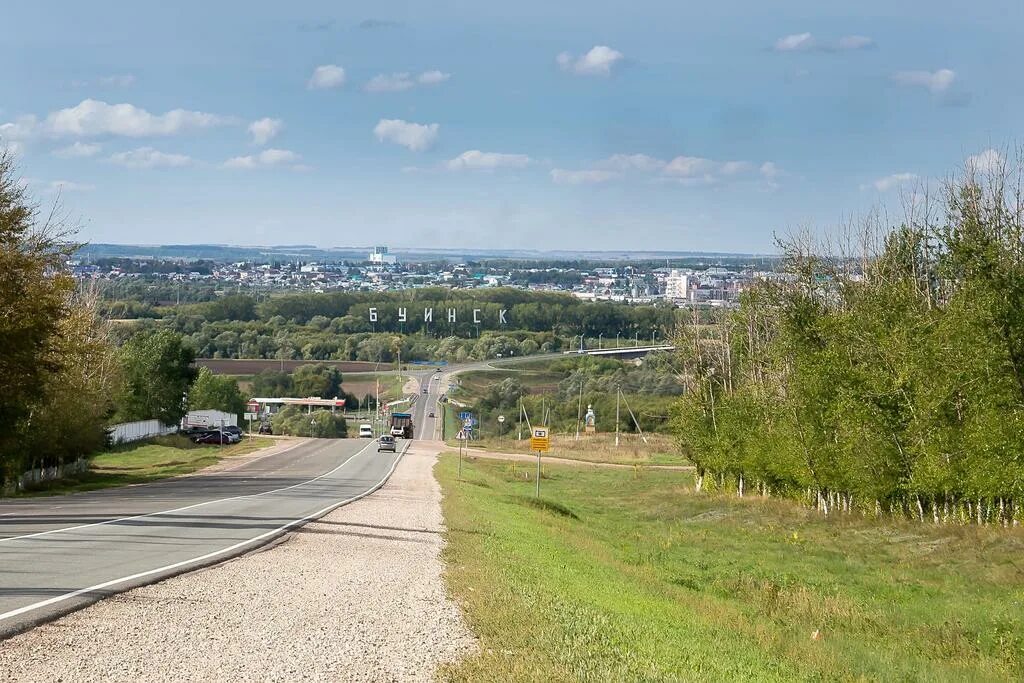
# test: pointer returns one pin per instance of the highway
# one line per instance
(60, 553)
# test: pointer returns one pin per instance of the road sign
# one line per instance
(465, 415)
(461, 436)
(252, 416)
(540, 441)
(501, 418)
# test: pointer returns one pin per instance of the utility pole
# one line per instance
(617, 392)
(579, 410)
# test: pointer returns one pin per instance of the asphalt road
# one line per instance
(60, 553)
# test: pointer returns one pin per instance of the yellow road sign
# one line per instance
(540, 441)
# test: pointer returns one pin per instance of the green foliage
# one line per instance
(158, 371)
(323, 381)
(215, 392)
(56, 371)
(893, 384)
(322, 424)
(272, 384)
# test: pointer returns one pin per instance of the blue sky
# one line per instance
(641, 125)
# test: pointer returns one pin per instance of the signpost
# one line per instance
(540, 441)
(252, 412)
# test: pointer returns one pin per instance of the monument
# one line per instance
(589, 420)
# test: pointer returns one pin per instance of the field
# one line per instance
(617, 575)
(252, 366)
(140, 463)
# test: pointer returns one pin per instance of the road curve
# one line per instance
(58, 554)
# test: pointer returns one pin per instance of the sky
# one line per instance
(537, 125)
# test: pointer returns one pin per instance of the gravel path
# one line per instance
(356, 596)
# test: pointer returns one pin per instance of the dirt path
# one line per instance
(529, 457)
(356, 596)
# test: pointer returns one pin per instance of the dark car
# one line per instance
(265, 428)
(232, 429)
(430, 414)
(386, 443)
(215, 436)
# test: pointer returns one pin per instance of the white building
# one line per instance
(380, 256)
(677, 285)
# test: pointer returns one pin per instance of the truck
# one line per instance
(401, 425)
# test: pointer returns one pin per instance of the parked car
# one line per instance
(232, 429)
(265, 428)
(386, 443)
(215, 436)
(365, 431)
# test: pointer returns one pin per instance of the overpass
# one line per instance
(622, 351)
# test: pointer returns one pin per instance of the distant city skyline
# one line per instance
(644, 127)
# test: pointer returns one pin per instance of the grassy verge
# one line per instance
(618, 576)
(659, 449)
(140, 463)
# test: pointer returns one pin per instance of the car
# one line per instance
(265, 428)
(232, 429)
(430, 414)
(386, 443)
(365, 431)
(215, 436)
(424, 390)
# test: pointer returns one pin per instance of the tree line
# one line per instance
(885, 374)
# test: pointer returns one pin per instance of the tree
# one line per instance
(317, 380)
(158, 371)
(215, 392)
(56, 370)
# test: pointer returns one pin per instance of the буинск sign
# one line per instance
(450, 315)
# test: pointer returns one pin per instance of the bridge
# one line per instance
(622, 351)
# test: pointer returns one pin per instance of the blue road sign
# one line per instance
(465, 415)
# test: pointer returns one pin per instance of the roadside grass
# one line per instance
(660, 449)
(613, 576)
(139, 463)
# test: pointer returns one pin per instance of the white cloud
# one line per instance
(989, 161)
(795, 42)
(889, 182)
(78, 150)
(92, 118)
(805, 42)
(691, 167)
(770, 170)
(265, 129)
(936, 82)
(475, 159)
(19, 130)
(585, 177)
(266, 159)
(632, 162)
(433, 77)
(414, 136)
(68, 186)
(397, 82)
(147, 157)
(326, 76)
(598, 62)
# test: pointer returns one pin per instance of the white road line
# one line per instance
(207, 556)
(187, 507)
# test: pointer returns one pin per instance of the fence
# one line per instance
(41, 474)
(127, 432)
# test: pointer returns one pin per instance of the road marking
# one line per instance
(187, 507)
(207, 556)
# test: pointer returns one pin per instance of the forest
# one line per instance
(884, 375)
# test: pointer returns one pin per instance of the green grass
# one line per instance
(660, 449)
(626, 576)
(140, 463)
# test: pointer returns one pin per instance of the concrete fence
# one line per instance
(41, 474)
(127, 432)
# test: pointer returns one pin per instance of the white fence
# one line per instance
(136, 431)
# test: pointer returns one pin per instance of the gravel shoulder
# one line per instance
(355, 596)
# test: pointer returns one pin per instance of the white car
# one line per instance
(365, 431)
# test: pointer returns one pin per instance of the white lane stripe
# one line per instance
(186, 507)
(207, 556)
